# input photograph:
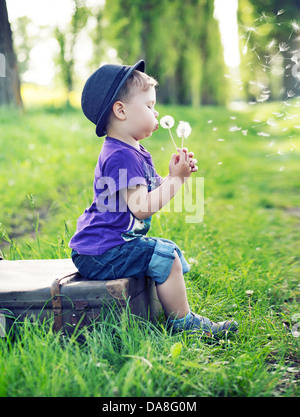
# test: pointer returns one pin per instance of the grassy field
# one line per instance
(248, 240)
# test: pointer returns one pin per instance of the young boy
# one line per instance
(110, 240)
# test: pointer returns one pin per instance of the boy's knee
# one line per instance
(177, 267)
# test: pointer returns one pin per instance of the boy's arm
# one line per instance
(144, 204)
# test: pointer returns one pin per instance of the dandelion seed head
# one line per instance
(271, 122)
(167, 122)
(183, 130)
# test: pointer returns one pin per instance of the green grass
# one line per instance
(247, 241)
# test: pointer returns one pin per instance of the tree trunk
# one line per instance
(9, 77)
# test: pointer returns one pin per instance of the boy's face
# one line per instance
(141, 116)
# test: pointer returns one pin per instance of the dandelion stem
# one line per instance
(250, 312)
(173, 139)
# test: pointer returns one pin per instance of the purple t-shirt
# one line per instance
(108, 222)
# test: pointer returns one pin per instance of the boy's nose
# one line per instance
(156, 114)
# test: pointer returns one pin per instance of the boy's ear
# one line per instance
(119, 110)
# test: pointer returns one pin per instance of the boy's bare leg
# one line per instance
(172, 293)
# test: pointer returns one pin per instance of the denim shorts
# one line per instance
(140, 257)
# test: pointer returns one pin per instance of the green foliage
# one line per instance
(67, 40)
(180, 42)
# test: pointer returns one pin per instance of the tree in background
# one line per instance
(180, 42)
(270, 32)
(67, 41)
(9, 78)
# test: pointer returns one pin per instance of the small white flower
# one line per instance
(167, 122)
(183, 130)
(249, 292)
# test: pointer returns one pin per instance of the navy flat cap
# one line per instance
(101, 89)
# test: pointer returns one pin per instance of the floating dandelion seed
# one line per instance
(269, 122)
(167, 122)
(281, 11)
(183, 131)
(234, 129)
(245, 49)
(276, 153)
(295, 27)
(271, 44)
(263, 96)
(293, 146)
(283, 47)
(254, 50)
(290, 94)
(263, 16)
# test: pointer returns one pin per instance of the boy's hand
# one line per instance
(180, 165)
(193, 162)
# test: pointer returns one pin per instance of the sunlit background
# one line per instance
(51, 13)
